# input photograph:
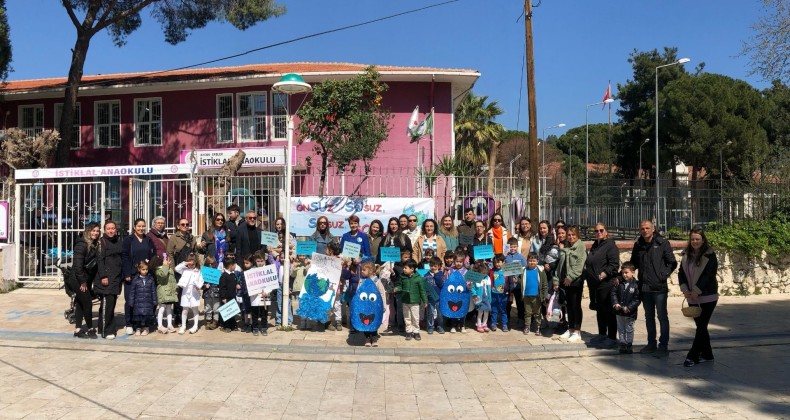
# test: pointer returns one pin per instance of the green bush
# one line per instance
(751, 237)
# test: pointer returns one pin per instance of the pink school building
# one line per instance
(157, 117)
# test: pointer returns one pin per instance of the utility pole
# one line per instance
(534, 205)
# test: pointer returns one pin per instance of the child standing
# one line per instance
(143, 298)
(412, 297)
(166, 292)
(534, 288)
(350, 278)
(514, 255)
(191, 282)
(500, 292)
(457, 324)
(481, 296)
(434, 280)
(233, 287)
(211, 299)
(625, 300)
(278, 311)
(367, 271)
(258, 321)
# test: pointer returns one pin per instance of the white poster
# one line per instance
(261, 279)
(306, 210)
(320, 287)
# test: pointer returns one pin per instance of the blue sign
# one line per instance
(389, 254)
(305, 247)
(210, 275)
(422, 271)
(483, 252)
(229, 310)
(270, 239)
(351, 250)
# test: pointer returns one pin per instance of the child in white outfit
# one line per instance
(191, 282)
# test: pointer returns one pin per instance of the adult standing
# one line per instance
(403, 222)
(499, 234)
(652, 256)
(322, 236)
(232, 225)
(570, 271)
(449, 233)
(413, 231)
(480, 238)
(107, 285)
(355, 236)
(158, 235)
(215, 241)
(600, 270)
(524, 236)
(248, 236)
(180, 245)
(467, 226)
(395, 238)
(697, 278)
(85, 270)
(135, 248)
(429, 240)
(375, 236)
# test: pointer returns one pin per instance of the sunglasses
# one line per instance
(412, 220)
(251, 218)
(322, 223)
(600, 230)
(184, 224)
(498, 220)
(219, 220)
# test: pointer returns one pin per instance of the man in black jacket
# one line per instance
(652, 256)
(249, 236)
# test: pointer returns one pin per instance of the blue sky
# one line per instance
(579, 45)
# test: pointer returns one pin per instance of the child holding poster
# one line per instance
(211, 298)
(233, 287)
(191, 282)
(258, 320)
(481, 296)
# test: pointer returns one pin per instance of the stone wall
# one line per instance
(738, 275)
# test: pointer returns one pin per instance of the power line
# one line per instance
(277, 44)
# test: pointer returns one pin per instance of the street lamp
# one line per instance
(721, 178)
(587, 155)
(570, 168)
(543, 158)
(289, 84)
(658, 191)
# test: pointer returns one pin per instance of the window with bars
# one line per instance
(148, 122)
(31, 119)
(76, 132)
(279, 116)
(252, 116)
(107, 132)
(225, 118)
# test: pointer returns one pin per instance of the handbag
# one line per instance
(690, 311)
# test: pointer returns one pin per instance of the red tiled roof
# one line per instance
(213, 73)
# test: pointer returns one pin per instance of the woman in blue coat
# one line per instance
(135, 248)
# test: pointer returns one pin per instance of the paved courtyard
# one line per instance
(45, 373)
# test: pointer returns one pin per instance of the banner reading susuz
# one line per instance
(306, 210)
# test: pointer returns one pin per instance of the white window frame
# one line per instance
(76, 127)
(148, 124)
(97, 126)
(275, 117)
(38, 126)
(264, 118)
(231, 120)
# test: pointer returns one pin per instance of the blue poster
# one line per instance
(210, 275)
(389, 254)
(229, 310)
(483, 252)
(422, 271)
(305, 247)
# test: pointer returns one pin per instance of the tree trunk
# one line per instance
(492, 165)
(322, 184)
(229, 169)
(78, 56)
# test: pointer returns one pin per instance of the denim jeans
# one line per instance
(434, 317)
(278, 312)
(625, 329)
(498, 308)
(656, 302)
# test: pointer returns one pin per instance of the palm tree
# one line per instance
(476, 133)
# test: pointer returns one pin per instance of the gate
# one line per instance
(50, 218)
(169, 198)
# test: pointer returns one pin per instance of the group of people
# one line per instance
(163, 286)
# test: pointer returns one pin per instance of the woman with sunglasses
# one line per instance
(498, 234)
(600, 269)
(322, 236)
(215, 241)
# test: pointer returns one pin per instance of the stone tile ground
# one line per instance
(44, 373)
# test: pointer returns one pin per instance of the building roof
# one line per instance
(185, 79)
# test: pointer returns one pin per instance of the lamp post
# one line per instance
(658, 191)
(570, 168)
(543, 160)
(289, 84)
(639, 170)
(721, 179)
(587, 155)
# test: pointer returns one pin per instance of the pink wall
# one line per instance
(189, 122)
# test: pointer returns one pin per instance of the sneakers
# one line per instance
(440, 330)
(182, 330)
(537, 332)
(689, 363)
(648, 349)
(368, 342)
(145, 331)
(493, 328)
(704, 359)
(430, 331)
(129, 330)
(171, 330)
(92, 334)
(574, 338)
(566, 335)
(161, 330)
(486, 329)
(661, 352)
(226, 330)
(138, 332)
(480, 329)
(110, 337)
(264, 332)
(505, 328)
(211, 325)
(374, 341)
(255, 332)
(417, 336)
(463, 329)
(409, 336)
(452, 330)
(338, 326)
(526, 331)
